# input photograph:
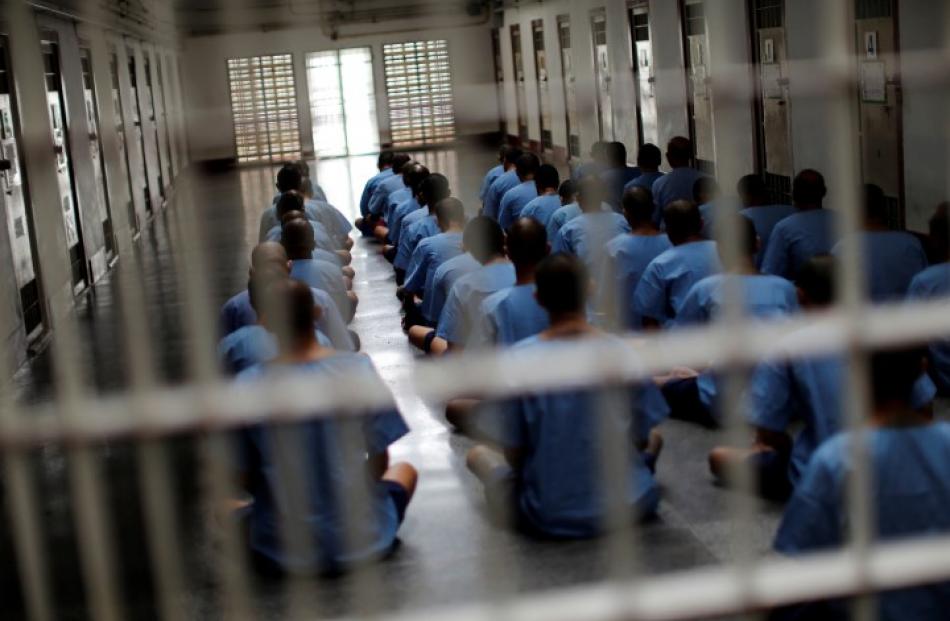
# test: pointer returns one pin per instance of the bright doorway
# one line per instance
(343, 102)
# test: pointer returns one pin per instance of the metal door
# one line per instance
(16, 202)
(570, 87)
(518, 60)
(499, 79)
(698, 83)
(95, 152)
(773, 136)
(69, 202)
(644, 78)
(139, 131)
(152, 121)
(166, 134)
(879, 101)
(605, 112)
(119, 121)
(544, 90)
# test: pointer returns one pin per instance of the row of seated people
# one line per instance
(476, 284)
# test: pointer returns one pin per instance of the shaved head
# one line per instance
(527, 242)
(268, 255)
(297, 239)
(683, 220)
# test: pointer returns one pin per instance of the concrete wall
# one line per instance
(205, 84)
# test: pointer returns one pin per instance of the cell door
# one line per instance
(69, 203)
(697, 82)
(16, 200)
(499, 78)
(95, 151)
(119, 121)
(570, 87)
(152, 121)
(139, 131)
(520, 99)
(644, 79)
(879, 102)
(166, 134)
(605, 108)
(544, 90)
(772, 104)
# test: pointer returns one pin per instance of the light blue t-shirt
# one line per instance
(559, 435)
(491, 206)
(509, 316)
(808, 391)
(394, 200)
(560, 217)
(325, 277)
(413, 233)
(320, 236)
(796, 239)
(252, 345)
(669, 277)
(629, 256)
(460, 315)
(238, 313)
(587, 169)
(514, 201)
(910, 475)
(399, 217)
(377, 204)
(315, 451)
(615, 180)
(490, 178)
(443, 279)
(763, 297)
(336, 224)
(934, 283)
(891, 260)
(677, 185)
(542, 208)
(429, 255)
(587, 236)
(764, 219)
(269, 219)
(645, 180)
(370, 188)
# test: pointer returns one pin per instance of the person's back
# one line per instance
(765, 217)
(649, 160)
(460, 313)
(385, 165)
(252, 345)
(422, 223)
(492, 204)
(805, 234)
(561, 217)
(763, 297)
(931, 284)
(618, 175)
(587, 235)
(433, 251)
(515, 199)
(676, 185)
(891, 260)
(443, 278)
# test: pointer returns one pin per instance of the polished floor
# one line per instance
(450, 553)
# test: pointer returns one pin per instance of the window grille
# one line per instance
(419, 89)
(264, 108)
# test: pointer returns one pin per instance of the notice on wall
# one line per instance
(768, 51)
(870, 44)
(772, 82)
(873, 82)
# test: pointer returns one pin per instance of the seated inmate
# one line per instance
(545, 474)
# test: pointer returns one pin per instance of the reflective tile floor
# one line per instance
(449, 553)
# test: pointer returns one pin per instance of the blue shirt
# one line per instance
(325, 277)
(396, 199)
(443, 279)
(542, 208)
(763, 297)
(412, 234)
(808, 391)
(490, 178)
(645, 180)
(677, 185)
(587, 236)
(509, 316)
(514, 201)
(269, 219)
(910, 498)
(238, 313)
(764, 220)
(587, 169)
(934, 283)
(252, 345)
(320, 236)
(336, 224)
(559, 435)
(668, 279)
(615, 180)
(891, 260)
(461, 312)
(399, 217)
(377, 203)
(370, 188)
(492, 204)
(796, 239)
(629, 256)
(341, 535)
(561, 217)
(429, 255)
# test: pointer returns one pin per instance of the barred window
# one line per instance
(419, 89)
(264, 108)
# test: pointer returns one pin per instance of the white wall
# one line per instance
(205, 85)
